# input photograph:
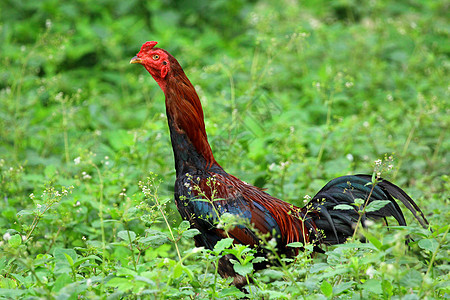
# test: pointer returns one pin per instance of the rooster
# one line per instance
(204, 191)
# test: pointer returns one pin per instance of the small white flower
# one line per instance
(348, 84)
(86, 176)
(272, 166)
(6, 236)
(306, 198)
(370, 272)
(77, 160)
(378, 162)
(48, 23)
(369, 223)
(284, 164)
(197, 249)
(349, 157)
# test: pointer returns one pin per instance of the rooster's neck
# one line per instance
(190, 145)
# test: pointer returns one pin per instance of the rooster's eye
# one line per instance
(156, 57)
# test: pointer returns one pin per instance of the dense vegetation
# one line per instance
(294, 94)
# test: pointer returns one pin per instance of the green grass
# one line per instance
(294, 94)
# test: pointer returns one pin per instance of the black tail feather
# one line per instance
(400, 195)
(338, 224)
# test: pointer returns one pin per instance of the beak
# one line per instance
(135, 60)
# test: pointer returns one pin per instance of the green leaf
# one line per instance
(231, 292)
(359, 201)
(59, 254)
(177, 270)
(15, 241)
(127, 236)
(50, 171)
(412, 279)
(120, 139)
(7, 283)
(259, 259)
(326, 288)
(155, 238)
(344, 207)
(190, 233)
(242, 269)
(10, 293)
(3, 263)
(69, 259)
(373, 240)
(184, 226)
(25, 282)
(223, 244)
(428, 244)
(122, 284)
(82, 260)
(376, 205)
(338, 289)
(295, 244)
(61, 281)
(387, 288)
(25, 212)
(373, 285)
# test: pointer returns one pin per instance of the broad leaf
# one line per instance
(243, 269)
(344, 207)
(326, 288)
(124, 235)
(223, 244)
(376, 205)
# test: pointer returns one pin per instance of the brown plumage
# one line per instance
(200, 176)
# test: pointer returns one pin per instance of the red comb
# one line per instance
(147, 46)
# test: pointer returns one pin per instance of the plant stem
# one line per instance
(131, 248)
(430, 265)
(361, 213)
(170, 229)
(100, 214)
(64, 125)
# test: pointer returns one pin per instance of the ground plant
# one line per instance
(294, 94)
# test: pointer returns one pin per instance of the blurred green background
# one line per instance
(295, 93)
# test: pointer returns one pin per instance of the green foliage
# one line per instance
(294, 94)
